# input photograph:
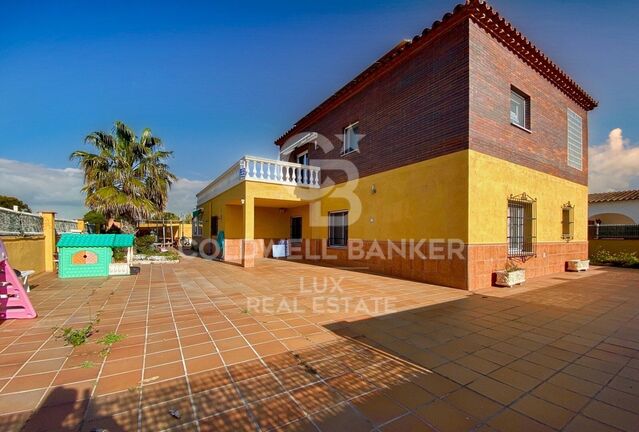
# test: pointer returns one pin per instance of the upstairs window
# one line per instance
(521, 226)
(519, 108)
(338, 228)
(568, 222)
(351, 138)
(575, 140)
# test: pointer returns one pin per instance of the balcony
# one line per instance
(256, 169)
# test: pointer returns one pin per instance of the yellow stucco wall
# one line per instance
(428, 199)
(492, 180)
(26, 253)
(458, 196)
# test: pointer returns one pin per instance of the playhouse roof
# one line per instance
(96, 240)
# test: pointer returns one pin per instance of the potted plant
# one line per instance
(577, 265)
(511, 275)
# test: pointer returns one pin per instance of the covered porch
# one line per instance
(255, 204)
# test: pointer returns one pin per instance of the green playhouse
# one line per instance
(89, 255)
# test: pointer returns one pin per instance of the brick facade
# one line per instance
(417, 111)
(493, 69)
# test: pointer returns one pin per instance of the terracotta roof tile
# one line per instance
(628, 195)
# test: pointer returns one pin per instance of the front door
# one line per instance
(296, 228)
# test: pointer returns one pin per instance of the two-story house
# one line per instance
(466, 136)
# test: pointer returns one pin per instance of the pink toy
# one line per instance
(14, 302)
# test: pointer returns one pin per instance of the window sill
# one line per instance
(521, 127)
(336, 247)
(342, 154)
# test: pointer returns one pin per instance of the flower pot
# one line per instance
(119, 269)
(577, 265)
(509, 278)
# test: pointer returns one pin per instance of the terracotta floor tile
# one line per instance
(510, 420)
(473, 403)
(342, 417)
(198, 350)
(351, 385)
(515, 379)
(409, 395)
(495, 390)
(237, 355)
(217, 400)
(246, 370)
(164, 372)
(560, 396)
(458, 373)
(269, 348)
(203, 363)
(435, 383)
(119, 382)
(112, 367)
(162, 358)
(611, 416)
(15, 402)
(29, 382)
(231, 343)
(158, 417)
(544, 412)
(276, 411)
(445, 417)
(261, 387)
(581, 424)
(42, 366)
(209, 379)
(236, 420)
(378, 408)
(407, 423)
(316, 397)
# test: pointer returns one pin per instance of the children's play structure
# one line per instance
(14, 301)
(89, 255)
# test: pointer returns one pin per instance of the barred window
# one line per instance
(521, 226)
(338, 228)
(568, 222)
(575, 140)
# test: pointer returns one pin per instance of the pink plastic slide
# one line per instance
(14, 301)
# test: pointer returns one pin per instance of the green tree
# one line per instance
(166, 216)
(9, 202)
(127, 177)
(97, 220)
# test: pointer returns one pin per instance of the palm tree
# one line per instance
(127, 178)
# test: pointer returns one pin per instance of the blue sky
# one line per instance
(218, 80)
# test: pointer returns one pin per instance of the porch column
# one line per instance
(248, 243)
(48, 225)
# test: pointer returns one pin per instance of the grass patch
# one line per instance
(87, 364)
(75, 337)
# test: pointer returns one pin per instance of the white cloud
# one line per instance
(614, 165)
(59, 190)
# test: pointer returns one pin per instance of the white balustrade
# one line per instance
(280, 172)
(262, 170)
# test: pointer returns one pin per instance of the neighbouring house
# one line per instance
(614, 207)
(467, 133)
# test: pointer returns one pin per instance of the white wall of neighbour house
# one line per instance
(629, 209)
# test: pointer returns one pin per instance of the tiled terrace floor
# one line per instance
(562, 353)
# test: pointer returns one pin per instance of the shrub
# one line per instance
(119, 255)
(144, 245)
(618, 259)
